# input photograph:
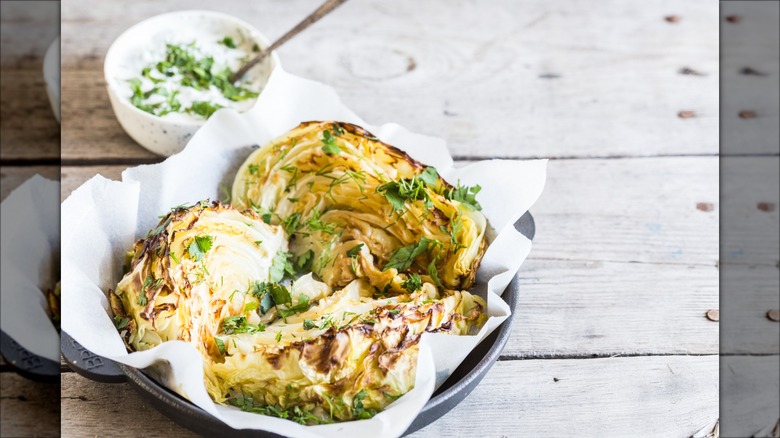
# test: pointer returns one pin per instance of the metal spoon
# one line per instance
(323, 10)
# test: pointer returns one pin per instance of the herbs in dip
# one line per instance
(192, 80)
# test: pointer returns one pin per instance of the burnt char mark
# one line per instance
(331, 351)
(440, 217)
(275, 359)
(162, 308)
(388, 359)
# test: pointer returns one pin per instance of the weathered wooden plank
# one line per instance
(639, 396)
(750, 190)
(30, 131)
(28, 28)
(753, 43)
(12, 177)
(749, 402)
(747, 294)
(29, 409)
(513, 79)
(651, 210)
(582, 308)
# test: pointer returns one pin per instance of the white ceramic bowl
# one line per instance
(51, 75)
(162, 135)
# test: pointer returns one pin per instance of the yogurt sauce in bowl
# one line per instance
(167, 75)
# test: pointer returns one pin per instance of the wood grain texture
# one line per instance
(747, 294)
(754, 43)
(630, 211)
(750, 192)
(517, 79)
(12, 177)
(749, 402)
(27, 30)
(30, 131)
(593, 308)
(28, 408)
(588, 397)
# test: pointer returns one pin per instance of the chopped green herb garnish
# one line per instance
(316, 224)
(409, 189)
(357, 406)
(403, 257)
(465, 195)
(228, 42)
(355, 250)
(302, 306)
(200, 246)
(308, 324)
(434, 272)
(121, 323)
(238, 324)
(204, 108)
(220, 345)
(292, 223)
(413, 283)
(329, 145)
(429, 176)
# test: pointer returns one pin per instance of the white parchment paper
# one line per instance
(30, 244)
(102, 218)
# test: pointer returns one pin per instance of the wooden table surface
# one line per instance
(610, 337)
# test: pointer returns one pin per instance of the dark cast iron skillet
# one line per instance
(453, 391)
(27, 364)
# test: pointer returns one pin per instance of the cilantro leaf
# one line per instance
(429, 176)
(200, 246)
(302, 306)
(357, 406)
(329, 145)
(280, 294)
(238, 324)
(403, 257)
(413, 283)
(465, 195)
(398, 192)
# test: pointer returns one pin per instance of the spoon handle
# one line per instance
(320, 12)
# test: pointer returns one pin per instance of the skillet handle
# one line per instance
(88, 364)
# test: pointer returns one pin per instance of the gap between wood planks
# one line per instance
(141, 161)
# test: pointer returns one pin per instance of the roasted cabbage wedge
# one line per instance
(355, 203)
(308, 296)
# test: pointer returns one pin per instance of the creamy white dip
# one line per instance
(151, 82)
